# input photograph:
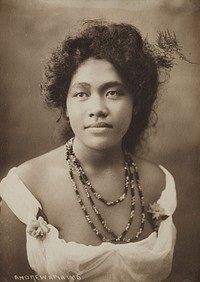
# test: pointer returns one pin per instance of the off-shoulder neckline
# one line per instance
(13, 170)
(36, 202)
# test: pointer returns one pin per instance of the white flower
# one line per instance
(156, 210)
(38, 228)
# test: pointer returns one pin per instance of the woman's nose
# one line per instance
(98, 107)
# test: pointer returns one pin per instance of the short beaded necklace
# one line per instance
(86, 182)
(130, 170)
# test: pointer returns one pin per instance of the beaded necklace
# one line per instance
(85, 181)
(130, 170)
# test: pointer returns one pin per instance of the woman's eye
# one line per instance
(81, 95)
(113, 93)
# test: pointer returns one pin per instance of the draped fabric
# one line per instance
(146, 260)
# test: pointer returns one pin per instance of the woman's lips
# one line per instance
(99, 125)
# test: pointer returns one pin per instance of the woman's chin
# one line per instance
(101, 143)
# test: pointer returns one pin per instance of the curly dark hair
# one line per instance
(121, 45)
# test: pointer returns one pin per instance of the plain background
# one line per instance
(30, 30)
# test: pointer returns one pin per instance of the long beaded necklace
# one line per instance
(130, 170)
(97, 211)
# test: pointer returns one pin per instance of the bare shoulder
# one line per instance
(152, 179)
(39, 171)
(47, 178)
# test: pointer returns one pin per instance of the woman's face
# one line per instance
(99, 106)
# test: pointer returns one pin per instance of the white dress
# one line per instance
(149, 260)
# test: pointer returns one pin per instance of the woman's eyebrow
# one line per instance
(110, 84)
(80, 84)
(102, 87)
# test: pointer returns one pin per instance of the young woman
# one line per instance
(91, 209)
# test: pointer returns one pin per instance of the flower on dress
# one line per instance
(38, 228)
(156, 210)
(157, 214)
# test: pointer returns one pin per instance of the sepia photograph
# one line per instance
(99, 140)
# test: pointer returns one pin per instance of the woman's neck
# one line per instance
(98, 159)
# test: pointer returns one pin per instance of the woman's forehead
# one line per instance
(95, 71)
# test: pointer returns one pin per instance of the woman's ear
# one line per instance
(66, 116)
(63, 114)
